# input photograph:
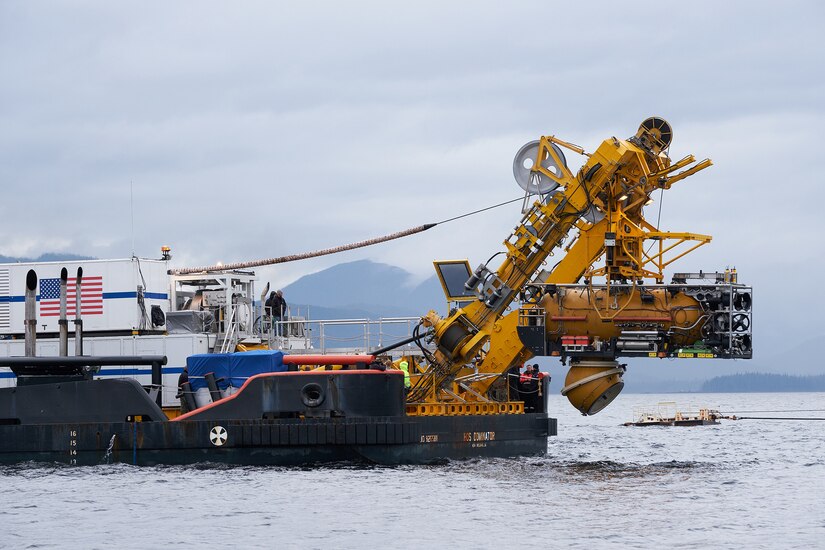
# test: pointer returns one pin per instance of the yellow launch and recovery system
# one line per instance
(593, 323)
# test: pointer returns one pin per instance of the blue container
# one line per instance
(234, 368)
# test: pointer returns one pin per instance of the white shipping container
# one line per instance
(109, 293)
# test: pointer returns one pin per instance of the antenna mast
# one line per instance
(132, 213)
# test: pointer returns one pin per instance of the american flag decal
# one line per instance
(91, 297)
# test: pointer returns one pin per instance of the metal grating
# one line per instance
(5, 307)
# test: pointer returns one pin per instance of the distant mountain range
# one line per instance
(47, 257)
(364, 289)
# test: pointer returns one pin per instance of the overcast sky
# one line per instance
(261, 129)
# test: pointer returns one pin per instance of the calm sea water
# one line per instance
(742, 484)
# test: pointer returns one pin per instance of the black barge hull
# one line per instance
(390, 440)
(281, 418)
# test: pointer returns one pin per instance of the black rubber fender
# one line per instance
(312, 395)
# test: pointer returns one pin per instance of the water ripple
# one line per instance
(740, 484)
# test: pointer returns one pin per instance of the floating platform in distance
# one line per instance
(666, 414)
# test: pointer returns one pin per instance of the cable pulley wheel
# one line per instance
(535, 182)
(658, 130)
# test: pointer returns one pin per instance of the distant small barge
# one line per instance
(666, 414)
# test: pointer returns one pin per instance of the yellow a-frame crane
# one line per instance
(479, 341)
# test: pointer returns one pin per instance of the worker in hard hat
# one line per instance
(405, 368)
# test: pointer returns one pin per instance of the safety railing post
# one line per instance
(380, 332)
(323, 338)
